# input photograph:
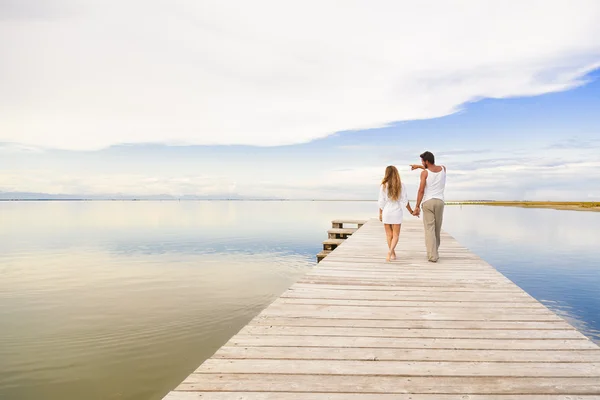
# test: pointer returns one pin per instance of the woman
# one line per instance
(392, 197)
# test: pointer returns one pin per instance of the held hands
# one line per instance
(416, 212)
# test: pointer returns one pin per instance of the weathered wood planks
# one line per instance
(357, 327)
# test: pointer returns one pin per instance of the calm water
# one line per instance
(121, 300)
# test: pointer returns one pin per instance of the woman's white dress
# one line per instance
(393, 211)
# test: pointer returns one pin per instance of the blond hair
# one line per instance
(392, 182)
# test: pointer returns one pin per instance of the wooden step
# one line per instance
(331, 244)
(322, 255)
(339, 223)
(340, 233)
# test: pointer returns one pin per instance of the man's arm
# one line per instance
(421, 192)
(416, 166)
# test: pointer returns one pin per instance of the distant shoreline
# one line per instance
(556, 205)
(83, 199)
(174, 200)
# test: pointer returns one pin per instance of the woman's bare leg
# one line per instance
(395, 237)
(389, 234)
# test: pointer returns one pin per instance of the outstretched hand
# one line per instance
(415, 166)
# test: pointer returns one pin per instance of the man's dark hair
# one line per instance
(429, 157)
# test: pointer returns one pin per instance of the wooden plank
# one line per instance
(365, 295)
(377, 260)
(339, 264)
(386, 384)
(409, 276)
(342, 231)
(402, 267)
(397, 283)
(387, 354)
(400, 368)
(324, 253)
(334, 241)
(360, 396)
(409, 303)
(315, 277)
(349, 221)
(399, 313)
(332, 244)
(477, 312)
(412, 343)
(410, 323)
(420, 289)
(410, 283)
(413, 333)
(468, 275)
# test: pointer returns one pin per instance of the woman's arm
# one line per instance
(404, 199)
(381, 200)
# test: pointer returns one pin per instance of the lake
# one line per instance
(122, 300)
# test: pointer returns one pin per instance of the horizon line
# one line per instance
(283, 199)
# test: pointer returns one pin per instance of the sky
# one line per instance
(299, 100)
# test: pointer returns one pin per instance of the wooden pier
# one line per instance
(356, 327)
(337, 234)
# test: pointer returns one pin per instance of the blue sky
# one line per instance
(221, 107)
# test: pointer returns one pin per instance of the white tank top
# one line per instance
(435, 185)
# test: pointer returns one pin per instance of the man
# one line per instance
(431, 199)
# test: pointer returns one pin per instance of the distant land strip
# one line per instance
(557, 205)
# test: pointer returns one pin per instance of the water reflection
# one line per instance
(121, 300)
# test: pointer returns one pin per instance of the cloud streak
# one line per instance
(87, 75)
(500, 178)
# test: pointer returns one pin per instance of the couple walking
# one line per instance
(430, 197)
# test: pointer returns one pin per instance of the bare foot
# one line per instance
(389, 256)
(393, 257)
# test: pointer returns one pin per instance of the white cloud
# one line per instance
(10, 148)
(48, 181)
(89, 74)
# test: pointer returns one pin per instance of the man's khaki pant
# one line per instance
(433, 214)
